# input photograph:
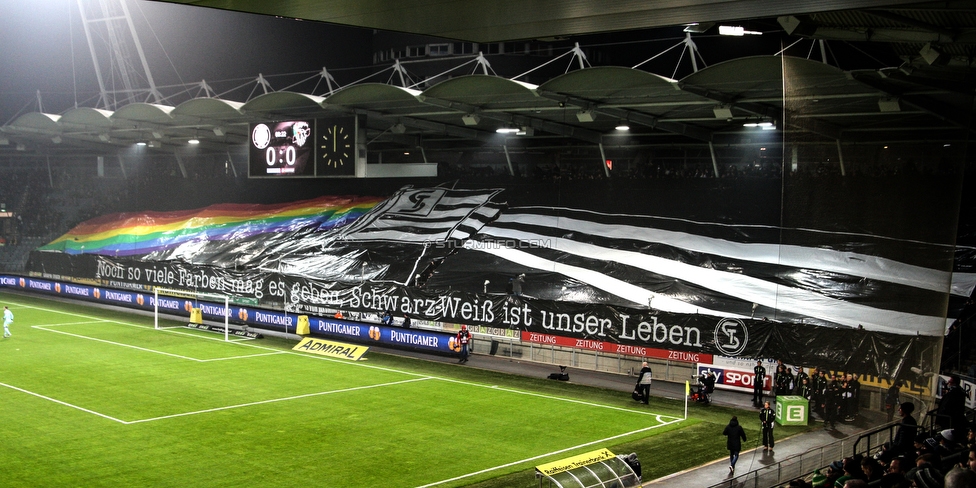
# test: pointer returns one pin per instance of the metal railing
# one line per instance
(804, 464)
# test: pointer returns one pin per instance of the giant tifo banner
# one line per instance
(620, 281)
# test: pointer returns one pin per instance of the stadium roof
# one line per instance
(581, 108)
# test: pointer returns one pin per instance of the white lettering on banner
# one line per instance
(165, 303)
(690, 357)
(334, 328)
(309, 293)
(39, 285)
(413, 339)
(8, 281)
(578, 323)
(478, 311)
(660, 333)
(585, 344)
(211, 310)
(109, 270)
(631, 350)
(118, 297)
(273, 319)
(77, 290)
(160, 276)
(736, 378)
(542, 338)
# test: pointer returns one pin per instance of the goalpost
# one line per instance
(195, 297)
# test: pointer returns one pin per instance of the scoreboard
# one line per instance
(306, 148)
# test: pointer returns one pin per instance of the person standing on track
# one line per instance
(463, 338)
(8, 319)
(644, 383)
(767, 418)
(758, 379)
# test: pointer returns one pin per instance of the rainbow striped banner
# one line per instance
(130, 234)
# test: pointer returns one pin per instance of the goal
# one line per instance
(192, 302)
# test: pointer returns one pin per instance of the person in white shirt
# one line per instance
(8, 318)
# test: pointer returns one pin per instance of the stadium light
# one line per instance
(737, 31)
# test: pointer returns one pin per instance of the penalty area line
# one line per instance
(274, 400)
(69, 323)
(59, 402)
(541, 456)
(40, 327)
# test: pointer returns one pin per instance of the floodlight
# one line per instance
(585, 116)
(737, 31)
(722, 112)
(699, 27)
(471, 119)
(889, 105)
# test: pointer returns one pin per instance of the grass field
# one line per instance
(91, 397)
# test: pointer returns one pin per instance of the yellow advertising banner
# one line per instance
(332, 349)
(574, 462)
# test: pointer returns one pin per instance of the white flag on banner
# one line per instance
(426, 215)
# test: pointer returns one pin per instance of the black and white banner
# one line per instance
(642, 260)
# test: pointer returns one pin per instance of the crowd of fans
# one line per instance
(941, 456)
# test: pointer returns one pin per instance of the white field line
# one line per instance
(41, 327)
(215, 409)
(392, 370)
(146, 349)
(274, 400)
(76, 407)
(72, 323)
(560, 451)
(550, 397)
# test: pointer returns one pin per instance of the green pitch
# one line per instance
(90, 398)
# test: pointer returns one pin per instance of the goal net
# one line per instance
(192, 305)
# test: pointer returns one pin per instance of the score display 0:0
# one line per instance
(290, 155)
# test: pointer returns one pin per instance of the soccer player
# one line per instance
(8, 318)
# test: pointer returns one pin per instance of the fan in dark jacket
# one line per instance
(735, 436)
